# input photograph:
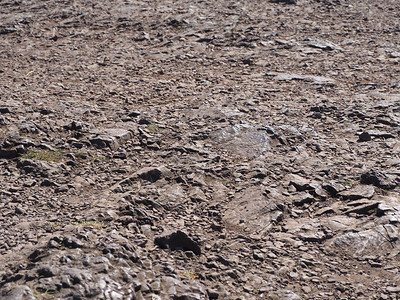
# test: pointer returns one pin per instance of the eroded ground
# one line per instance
(259, 140)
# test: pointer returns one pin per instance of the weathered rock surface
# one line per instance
(199, 149)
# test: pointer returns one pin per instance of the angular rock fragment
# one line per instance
(111, 138)
(363, 208)
(300, 183)
(28, 127)
(284, 1)
(11, 152)
(358, 192)
(303, 199)
(321, 44)
(22, 292)
(153, 174)
(333, 188)
(364, 137)
(378, 179)
(31, 166)
(178, 241)
(375, 240)
(319, 80)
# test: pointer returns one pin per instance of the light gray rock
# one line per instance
(319, 80)
(322, 44)
(358, 192)
(22, 292)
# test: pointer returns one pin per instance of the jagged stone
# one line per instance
(178, 241)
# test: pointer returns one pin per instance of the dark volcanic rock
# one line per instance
(178, 241)
(378, 179)
(284, 1)
(153, 174)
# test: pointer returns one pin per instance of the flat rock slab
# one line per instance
(306, 229)
(111, 137)
(242, 140)
(251, 210)
(358, 192)
(377, 240)
(320, 80)
(322, 44)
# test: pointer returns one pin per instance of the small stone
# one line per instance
(153, 174)
(324, 210)
(258, 255)
(364, 137)
(393, 289)
(303, 199)
(284, 1)
(178, 241)
(46, 271)
(212, 294)
(20, 211)
(300, 183)
(134, 113)
(61, 189)
(333, 188)
(72, 242)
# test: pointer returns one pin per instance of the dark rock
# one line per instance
(364, 137)
(38, 254)
(284, 1)
(134, 114)
(72, 242)
(5, 110)
(333, 188)
(46, 271)
(378, 179)
(364, 208)
(104, 141)
(258, 255)
(8, 153)
(212, 294)
(145, 122)
(48, 182)
(74, 126)
(32, 166)
(178, 241)
(153, 174)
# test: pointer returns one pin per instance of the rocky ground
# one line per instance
(199, 149)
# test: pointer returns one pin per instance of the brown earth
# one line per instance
(199, 149)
